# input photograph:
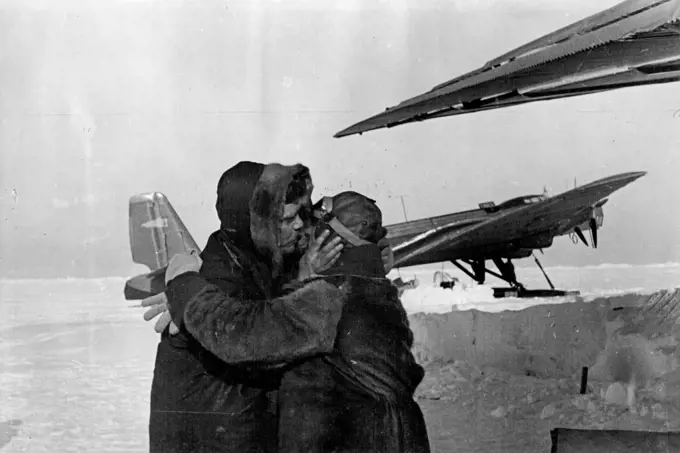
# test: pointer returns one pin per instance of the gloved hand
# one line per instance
(183, 263)
(179, 264)
(159, 306)
(317, 258)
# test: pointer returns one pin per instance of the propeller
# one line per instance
(593, 231)
(595, 221)
(580, 235)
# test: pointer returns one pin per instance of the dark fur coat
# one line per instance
(360, 398)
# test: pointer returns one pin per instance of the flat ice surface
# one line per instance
(75, 368)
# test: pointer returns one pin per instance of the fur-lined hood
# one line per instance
(250, 201)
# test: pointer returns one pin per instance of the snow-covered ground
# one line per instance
(76, 362)
(591, 281)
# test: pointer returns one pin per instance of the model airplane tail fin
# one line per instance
(156, 235)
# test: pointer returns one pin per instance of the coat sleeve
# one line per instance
(253, 333)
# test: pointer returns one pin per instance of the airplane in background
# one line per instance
(636, 42)
(497, 233)
(510, 230)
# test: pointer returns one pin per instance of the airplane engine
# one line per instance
(593, 224)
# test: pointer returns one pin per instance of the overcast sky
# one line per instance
(101, 100)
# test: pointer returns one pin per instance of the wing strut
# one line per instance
(480, 270)
(544, 274)
(467, 272)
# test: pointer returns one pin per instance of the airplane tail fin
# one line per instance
(156, 235)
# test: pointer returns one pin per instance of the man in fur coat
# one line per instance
(213, 380)
(359, 398)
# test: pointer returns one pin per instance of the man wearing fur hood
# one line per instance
(360, 397)
(213, 381)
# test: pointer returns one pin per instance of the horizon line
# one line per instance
(666, 264)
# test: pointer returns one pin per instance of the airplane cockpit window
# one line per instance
(534, 199)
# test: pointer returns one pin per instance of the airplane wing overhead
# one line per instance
(554, 214)
(636, 42)
(644, 15)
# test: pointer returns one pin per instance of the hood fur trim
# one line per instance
(266, 209)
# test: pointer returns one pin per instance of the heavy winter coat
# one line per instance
(213, 382)
(360, 398)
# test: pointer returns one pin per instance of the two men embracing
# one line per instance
(286, 335)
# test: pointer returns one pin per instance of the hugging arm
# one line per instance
(256, 333)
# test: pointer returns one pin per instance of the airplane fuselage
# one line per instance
(521, 248)
(516, 248)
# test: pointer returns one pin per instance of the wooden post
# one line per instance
(584, 380)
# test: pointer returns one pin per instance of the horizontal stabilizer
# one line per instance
(146, 285)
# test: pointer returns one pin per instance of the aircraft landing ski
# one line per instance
(507, 274)
(500, 293)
